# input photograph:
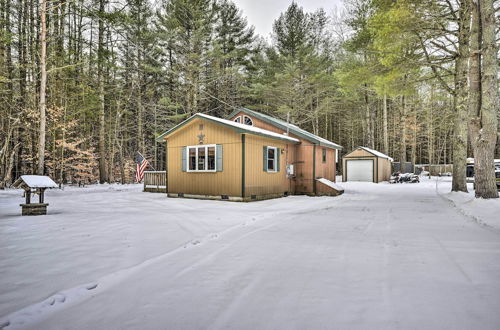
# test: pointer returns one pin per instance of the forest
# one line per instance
(85, 84)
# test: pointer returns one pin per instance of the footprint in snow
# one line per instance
(57, 298)
(195, 242)
(92, 286)
(4, 324)
(215, 236)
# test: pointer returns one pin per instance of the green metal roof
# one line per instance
(241, 128)
(293, 129)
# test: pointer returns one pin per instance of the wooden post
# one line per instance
(40, 197)
(28, 196)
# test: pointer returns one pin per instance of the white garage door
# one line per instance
(359, 170)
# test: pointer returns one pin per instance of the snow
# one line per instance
(330, 184)
(379, 256)
(483, 211)
(38, 181)
(248, 127)
(294, 129)
(245, 127)
(377, 153)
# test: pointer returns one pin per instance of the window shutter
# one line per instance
(265, 159)
(218, 151)
(278, 152)
(184, 159)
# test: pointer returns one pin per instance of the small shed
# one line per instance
(366, 165)
(36, 184)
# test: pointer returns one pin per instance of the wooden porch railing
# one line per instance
(155, 181)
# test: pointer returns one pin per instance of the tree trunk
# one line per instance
(484, 97)
(430, 135)
(43, 85)
(368, 118)
(402, 157)
(103, 175)
(385, 133)
(460, 102)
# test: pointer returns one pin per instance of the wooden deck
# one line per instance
(155, 181)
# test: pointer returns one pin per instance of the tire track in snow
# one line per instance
(61, 300)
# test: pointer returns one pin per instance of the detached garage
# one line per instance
(366, 165)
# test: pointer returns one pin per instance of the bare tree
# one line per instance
(43, 85)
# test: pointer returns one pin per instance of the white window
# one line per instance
(238, 119)
(201, 158)
(271, 159)
(247, 121)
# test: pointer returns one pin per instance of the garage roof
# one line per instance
(374, 152)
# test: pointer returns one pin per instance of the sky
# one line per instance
(262, 13)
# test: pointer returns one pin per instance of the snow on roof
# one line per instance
(294, 129)
(377, 153)
(248, 128)
(36, 181)
(330, 184)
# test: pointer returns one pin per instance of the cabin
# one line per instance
(247, 156)
(366, 165)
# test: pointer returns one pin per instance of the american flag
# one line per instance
(141, 164)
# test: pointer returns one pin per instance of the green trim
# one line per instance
(238, 130)
(314, 168)
(282, 125)
(243, 165)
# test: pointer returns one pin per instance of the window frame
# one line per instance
(275, 159)
(251, 120)
(237, 120)
(324, 155)
(199, 146)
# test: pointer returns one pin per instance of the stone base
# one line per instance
(34, 209)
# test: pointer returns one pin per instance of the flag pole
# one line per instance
(149, 164)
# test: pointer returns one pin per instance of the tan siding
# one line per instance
(259, 123)
(227, 182)
(258, 181)
(304, 168)
(359, 153)
(384, 169)
(325, 170)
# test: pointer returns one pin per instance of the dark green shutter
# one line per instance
(265, 159)
(184, 158)
(218, 151)
(278, 152)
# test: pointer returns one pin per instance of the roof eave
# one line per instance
(162, 137)
(332, 146)
(283, 127)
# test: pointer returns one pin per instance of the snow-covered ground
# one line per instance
(381, 256)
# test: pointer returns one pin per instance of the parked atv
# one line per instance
(404, 178)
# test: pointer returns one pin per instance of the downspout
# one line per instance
(243, 165)
(166, 167)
